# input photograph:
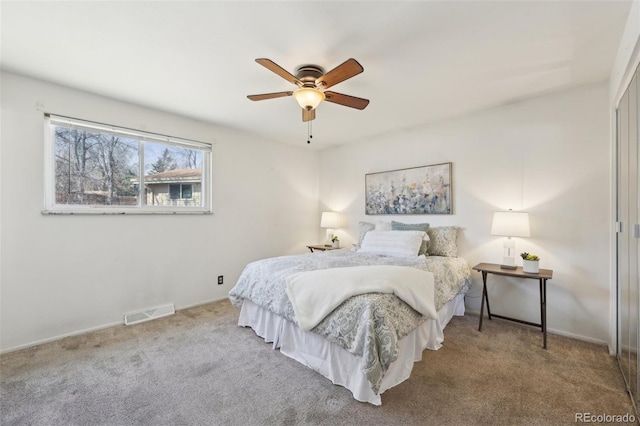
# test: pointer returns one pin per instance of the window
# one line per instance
(174, 192)
(97, 168)
(187, 190)
(177, 191)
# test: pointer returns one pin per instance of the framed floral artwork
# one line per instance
(417, 190)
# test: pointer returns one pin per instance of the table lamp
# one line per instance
(329, 220)
(510, 224)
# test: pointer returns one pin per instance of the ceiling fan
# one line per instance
(312, 84)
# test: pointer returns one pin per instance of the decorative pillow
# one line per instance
(392, 243)
(398, 226)
(383, 226)
(363, 228)
(442, 241)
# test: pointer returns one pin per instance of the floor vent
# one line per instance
(149, 314)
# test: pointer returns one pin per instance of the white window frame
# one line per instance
(50, 205)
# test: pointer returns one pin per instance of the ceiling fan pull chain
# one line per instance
(309, 135)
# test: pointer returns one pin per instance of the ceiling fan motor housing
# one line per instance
(308, 74)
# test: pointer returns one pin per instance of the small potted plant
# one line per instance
(530, 263)
(335, 242)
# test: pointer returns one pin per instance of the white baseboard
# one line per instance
(564, 333)
(193, 305)
(61, 336)
(96, 328)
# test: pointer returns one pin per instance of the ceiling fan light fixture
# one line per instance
(308, 98)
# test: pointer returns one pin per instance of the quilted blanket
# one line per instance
(368, 325)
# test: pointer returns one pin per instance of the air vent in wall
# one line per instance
(149, 314)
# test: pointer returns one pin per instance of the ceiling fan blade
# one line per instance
(269, 96)
(272, 66)
(346, 70)
(308, 115)
(346, 100)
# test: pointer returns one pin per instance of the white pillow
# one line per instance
(363, 228)
(392, 243)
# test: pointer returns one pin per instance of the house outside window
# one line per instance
(179, 187)
(97, 168)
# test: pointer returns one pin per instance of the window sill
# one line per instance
(121, 212)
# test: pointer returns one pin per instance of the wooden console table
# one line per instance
(542, 277)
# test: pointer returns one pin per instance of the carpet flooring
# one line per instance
(198, 367)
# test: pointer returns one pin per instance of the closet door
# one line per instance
(634, 227)
(629, 231)
(628, 236)
(622, 241)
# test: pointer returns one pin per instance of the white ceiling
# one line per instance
(423, 61)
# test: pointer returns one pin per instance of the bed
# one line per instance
(369, 342)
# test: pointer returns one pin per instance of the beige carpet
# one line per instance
(199, 368)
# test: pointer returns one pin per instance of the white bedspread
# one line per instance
(315, 294)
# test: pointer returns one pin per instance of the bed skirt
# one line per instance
(335, 363)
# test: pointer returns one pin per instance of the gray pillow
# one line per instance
(442, 241)
(399, 226)
(363, 228)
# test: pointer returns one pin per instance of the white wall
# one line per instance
(65, 274)
(548, 156)
(627, 57)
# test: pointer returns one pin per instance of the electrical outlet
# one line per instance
(220, 280)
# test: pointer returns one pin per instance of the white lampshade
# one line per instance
(511, 224)
(308, 98)
(330, 220)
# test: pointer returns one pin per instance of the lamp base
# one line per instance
(508, 267)
(329, 237)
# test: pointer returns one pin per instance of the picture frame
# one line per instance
(415, 190)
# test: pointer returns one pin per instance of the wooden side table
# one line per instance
(320, 247)
(542, 277)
